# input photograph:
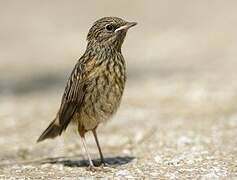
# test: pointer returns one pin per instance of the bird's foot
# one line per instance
(104, 164)
(98, 169)
(106, 167)
(93, 168)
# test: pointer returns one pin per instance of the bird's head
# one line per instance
(109, 32)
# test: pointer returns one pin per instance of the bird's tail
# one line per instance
(52, 131)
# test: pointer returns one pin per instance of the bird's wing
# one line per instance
(72, 98)
(74, 92)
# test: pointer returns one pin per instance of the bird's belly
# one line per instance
(101, 101)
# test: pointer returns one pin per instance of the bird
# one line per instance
(95, 87)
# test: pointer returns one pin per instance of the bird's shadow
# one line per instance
(69, 162)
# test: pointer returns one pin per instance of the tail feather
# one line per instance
(52, 131)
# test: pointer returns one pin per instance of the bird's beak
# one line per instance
(126, 26)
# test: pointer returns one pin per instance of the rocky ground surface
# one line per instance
(177, 126)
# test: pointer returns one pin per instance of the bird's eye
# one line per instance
(109, 27)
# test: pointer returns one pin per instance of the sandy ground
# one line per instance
(178, 117)
(184, 129)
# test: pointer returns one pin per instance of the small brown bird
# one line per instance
(95, 87)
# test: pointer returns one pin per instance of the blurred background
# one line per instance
(181, 61)
(41, 40)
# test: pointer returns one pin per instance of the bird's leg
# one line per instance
(91, 165)
(98, 146)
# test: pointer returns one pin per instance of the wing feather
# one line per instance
(75, 90)
(72, 96)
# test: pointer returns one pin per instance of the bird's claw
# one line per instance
(92, 168)
(97, 169)
(104, 164)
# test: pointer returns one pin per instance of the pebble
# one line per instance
(124, 173)
(158, 159)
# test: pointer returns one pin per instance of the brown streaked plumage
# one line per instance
(95, 86)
